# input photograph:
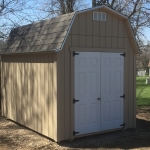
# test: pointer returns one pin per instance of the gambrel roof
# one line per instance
(50, 35)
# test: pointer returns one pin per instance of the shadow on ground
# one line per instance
(131, 138)
(15, 136)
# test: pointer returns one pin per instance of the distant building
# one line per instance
(142, 73)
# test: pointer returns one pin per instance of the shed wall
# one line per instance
(89, 35)
(29, 89)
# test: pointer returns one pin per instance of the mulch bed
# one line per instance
(14, 136)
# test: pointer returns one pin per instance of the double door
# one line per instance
(98, 87)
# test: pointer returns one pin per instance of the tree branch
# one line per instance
(134, 9)
(112, 3)
(2, 6)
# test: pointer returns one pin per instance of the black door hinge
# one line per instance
(123, 96)
(122, 125)
(74, 101)
(74, 53)
(123, 54)
(74, 133)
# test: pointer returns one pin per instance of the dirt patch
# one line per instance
(14, 136)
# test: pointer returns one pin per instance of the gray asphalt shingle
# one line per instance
(45, 35)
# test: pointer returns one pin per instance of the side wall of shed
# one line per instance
(88, 35)
(29, 89)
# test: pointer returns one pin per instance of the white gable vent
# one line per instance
(101, 16)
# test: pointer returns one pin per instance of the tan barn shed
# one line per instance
(72, 75)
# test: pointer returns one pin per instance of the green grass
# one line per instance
(142, 92)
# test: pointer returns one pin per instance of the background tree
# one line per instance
(142, 59)
(14, 13)
(99, 2)
(58, 7)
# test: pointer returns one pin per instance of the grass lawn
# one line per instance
(142, 91)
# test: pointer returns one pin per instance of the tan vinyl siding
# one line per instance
(89, 23)
(126, 84)
(3, 105)
(115, 25)
(67, 94)
(64, 95)
(134, 91)
(108, 28)
(61, 92)
(82, 24)
(30, 96)
(87, 32)
(131, 91)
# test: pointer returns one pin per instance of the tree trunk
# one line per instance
(62, 7)
(70, 5)
(93, 3)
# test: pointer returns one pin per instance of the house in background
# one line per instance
(72, 75)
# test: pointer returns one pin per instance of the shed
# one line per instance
(71, 76)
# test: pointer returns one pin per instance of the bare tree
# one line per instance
(14, 13)
(57, 7)
(99, 2)
(94, 3)
(142, 59)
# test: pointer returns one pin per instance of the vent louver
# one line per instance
(100, 16)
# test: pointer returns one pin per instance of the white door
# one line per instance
(98, 87)
(112, 68)
(87, 91)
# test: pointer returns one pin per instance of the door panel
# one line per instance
(87, 90)
(98, 75)
(112, 65)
